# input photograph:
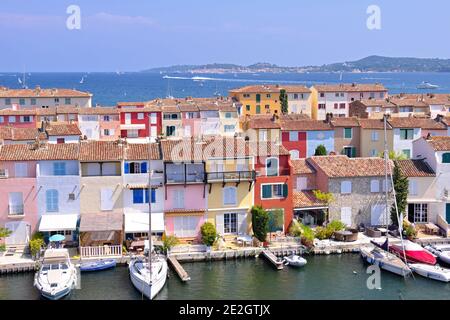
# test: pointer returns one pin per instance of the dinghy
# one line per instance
(294, 261)
(441, 251)
(385, 260)
(57, 276)
(433, 272)
(97, 265)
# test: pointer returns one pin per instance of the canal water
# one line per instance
(324, 277)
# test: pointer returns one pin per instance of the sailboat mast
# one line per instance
(149, 206)
(386, 159)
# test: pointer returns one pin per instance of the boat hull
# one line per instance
(431, 272)
(398, 267)
(414, 256)
(143, 286)
(104, 265)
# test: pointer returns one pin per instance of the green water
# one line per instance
(324, 277)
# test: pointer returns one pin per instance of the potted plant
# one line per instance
(209, 235)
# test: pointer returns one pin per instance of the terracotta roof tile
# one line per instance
(342, 166)
(271, 88)
(415, 168)
(100, 151)
(21, 134)
(20, 112)
(140, 151)
(306, 199)
(304, 125)
(98, 110)
(262, 122)
(70, 129)
(414, 122)
(41, 93)
(46, 151)
(440, 143)
(301, 166)
(373, 124)
(345, 122)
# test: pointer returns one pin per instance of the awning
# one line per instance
(424, 200)
(138, 222)
(58, 222)
(136, 126)
(101, 221)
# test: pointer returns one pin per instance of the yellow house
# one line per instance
(372, 137)
(230, 184)
(262, 99)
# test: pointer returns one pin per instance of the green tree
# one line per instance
(284, 101)
(4, 232)
(209, 233)
(401, 194)
(394, 155)
(260, 223)
(320, 150)
(325, 197)
(169, 242)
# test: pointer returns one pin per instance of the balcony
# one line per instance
(15, 210)
(181, 178)
(231, 176)
(274, 173)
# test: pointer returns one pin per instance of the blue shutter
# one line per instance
(146, 195)
(267, 191)
(144, 167)
(127, 167)
(153, 195)
(138, 196)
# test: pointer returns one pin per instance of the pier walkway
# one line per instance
(178, 268)
(273, 259)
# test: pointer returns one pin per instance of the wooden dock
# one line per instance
(178, 268)
(18, 267)
(273, 259)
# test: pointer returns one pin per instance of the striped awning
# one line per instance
(141, 186)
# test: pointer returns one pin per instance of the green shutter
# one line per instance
(446, 158)
(285, 190)
(267, 191)
(353, 152)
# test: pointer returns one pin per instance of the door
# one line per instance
(346, 215)
(378, 215)
(447, 212)
(20, 232)
(302, 183)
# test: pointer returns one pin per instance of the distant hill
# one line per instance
(368, 64)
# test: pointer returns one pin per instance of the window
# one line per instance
(15, 202)
(372, 95)
(33, 101)
(337, 94)
(374, 186)
(412, 188)
(272, 167)
(229, 128)
(106, 132)
(230, 223)
(336, 105)
(349, 152)
(373, 153)
(60, 140)
(407, 153)
(258, 97)
(446, 158)
(133, 133)
(170, 131)
(346, 187)
(348, 132)
(141, 196)
(178, 199)
(12, 119)
(246, 95)
(8, 101)
(270, 191)
(322, 95)
(135, 167)
(295, 96)
(140, 116)
(375, 136)
(262, 135)
(258, 109)
(228, 115)
(406, 134)
(2, 119)
(346, 215)
(229, 196)
(67, 101)
(418, 212)
(56, 100)
(247, 107)
(381, 95)
(293, 135)
(22, 101)
(20, 169)
(267, 106)
(322, 106)
(268, 95)
(26, 119)
(59, 168)
(106, 199)
(106, 118)
(342, 106)
(295, 154)
(51, 200)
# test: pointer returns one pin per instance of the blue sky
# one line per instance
(137, 34)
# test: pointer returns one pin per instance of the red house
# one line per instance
(140, 121)
(25, 118)
(273, 185)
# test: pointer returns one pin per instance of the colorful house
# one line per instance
(62, 133)
(139, 122)
(302, 137)
(372, 137)
(18, 118)
(357, 186)
(18, 194)
(172, 123)
(261, 128)
(99, 123)
(257, 99)
(335, 98)
(13, 135)
(347, 135)
(372, 108)
(230, 176)
(185, 201)
(143, 169)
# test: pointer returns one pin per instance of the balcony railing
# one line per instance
(15, 210)
(192, 177)
(231, 176)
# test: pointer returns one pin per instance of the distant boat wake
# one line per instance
(232, 80)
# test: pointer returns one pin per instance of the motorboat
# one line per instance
(294, 261)
(433, 272)
(97, 265)
(148, 277)
(440, 251)
(427, 85)
(385, 260)
(57, 276)
(413, 252)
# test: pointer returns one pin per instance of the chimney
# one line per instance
(328, 117)
(439, 117)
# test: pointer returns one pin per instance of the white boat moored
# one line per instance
(295, 261)
(148, 284)
(433, 272)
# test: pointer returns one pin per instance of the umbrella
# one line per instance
(56, 238)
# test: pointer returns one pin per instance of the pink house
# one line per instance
(18, 196)
(25, 118)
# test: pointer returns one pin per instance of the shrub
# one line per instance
(307, 236)
(2, 247)
(37, 235)
(411, 232)
(35, 246)
(295, 229)
(260, 223)
(209, 233)
(321, 233)
(169, 242)
(336, 225)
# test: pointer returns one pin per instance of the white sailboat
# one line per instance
(149, 277)
(380, 255)
(57, 276)
(427, 85)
